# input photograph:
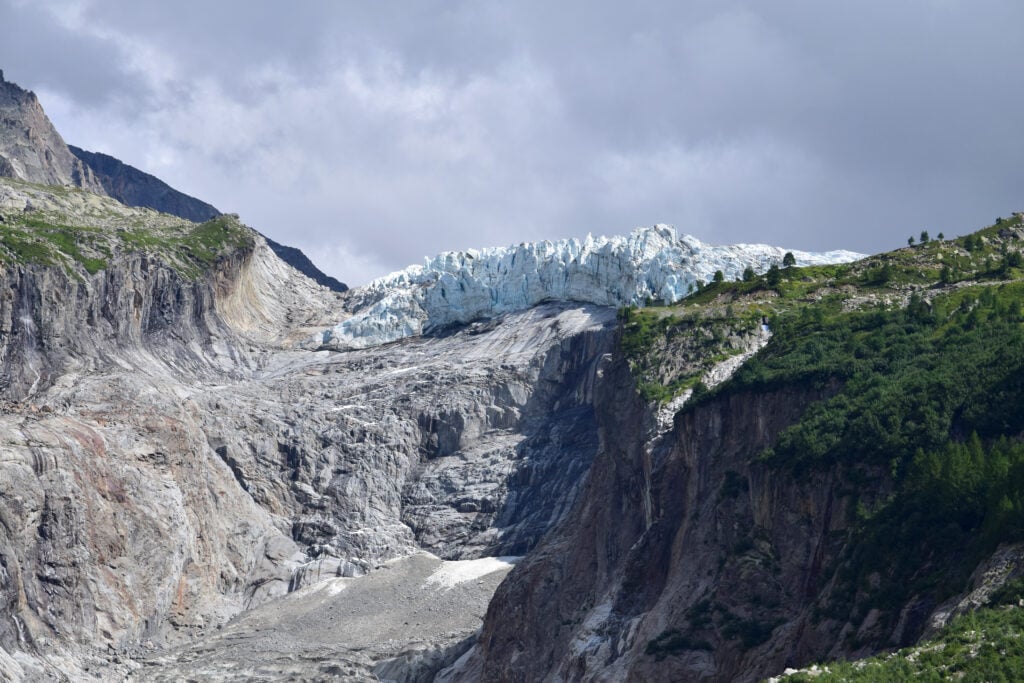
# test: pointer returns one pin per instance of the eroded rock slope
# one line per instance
(174, 453)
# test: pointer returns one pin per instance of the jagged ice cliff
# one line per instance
(458, 287)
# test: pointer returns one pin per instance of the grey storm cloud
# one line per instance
(372, 134)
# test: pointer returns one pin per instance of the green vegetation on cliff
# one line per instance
(83, 232)
(920, 356)
(694, 342)
(986, 646)
(926, 409)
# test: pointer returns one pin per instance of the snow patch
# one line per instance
(331, 587)
(453, 572)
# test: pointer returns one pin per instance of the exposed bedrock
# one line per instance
(170, 461)
(465, 445)
(668, 545)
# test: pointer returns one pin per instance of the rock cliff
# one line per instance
(31, 149)
(679, 547)
(177, 459)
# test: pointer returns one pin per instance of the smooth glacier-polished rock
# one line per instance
(172, 460)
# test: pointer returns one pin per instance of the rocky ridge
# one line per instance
(133, 187)
(31, 149)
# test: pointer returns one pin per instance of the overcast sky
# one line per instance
(371, 134)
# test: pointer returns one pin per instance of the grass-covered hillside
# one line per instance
(923, 348)
(83, 232)
(986, 646)
(671, 347)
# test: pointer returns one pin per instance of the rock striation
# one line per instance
(175, 459)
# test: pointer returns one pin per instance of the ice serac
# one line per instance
(458, 287)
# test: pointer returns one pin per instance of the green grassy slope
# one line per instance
(83, 232)
(926, 347)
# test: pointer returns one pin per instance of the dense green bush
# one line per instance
(911, 378)
(927, 396)
(985, 646)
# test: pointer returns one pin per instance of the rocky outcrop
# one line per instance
(31, 149)
(683, 559)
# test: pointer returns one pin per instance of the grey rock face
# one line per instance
(31, 149)
(172, 458)
(466, 445)
(659, 556)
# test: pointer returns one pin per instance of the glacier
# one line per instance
(454, 287)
